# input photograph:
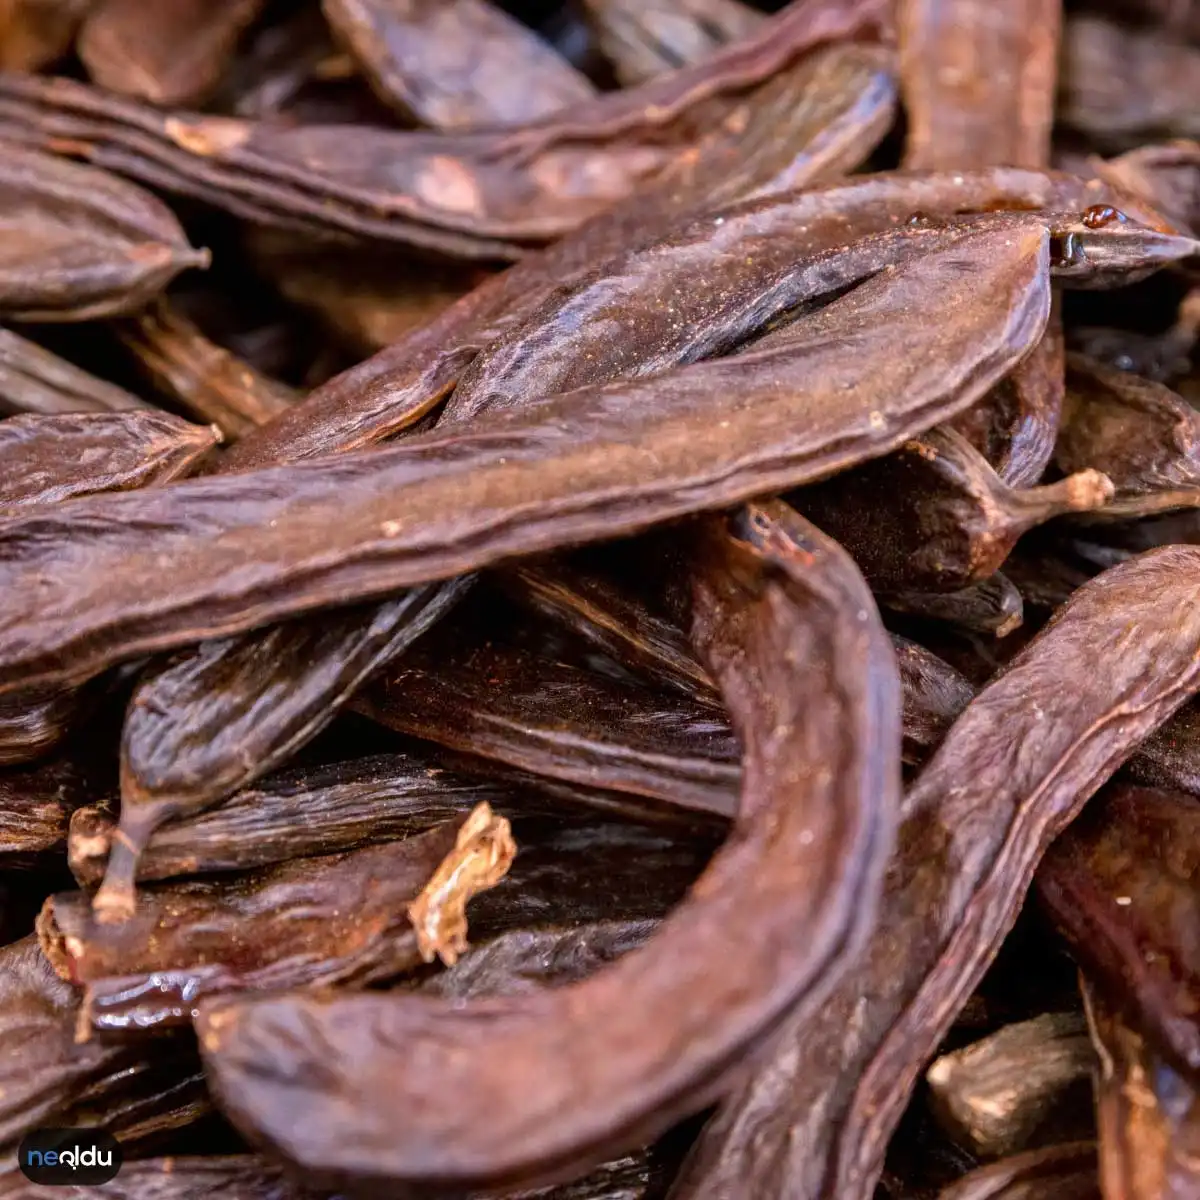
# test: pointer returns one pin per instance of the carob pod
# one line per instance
(299, 680)
(49, 459)
(1121, 85)
(310, 922)
(788, 629)
(1013, 771)
(993, 606)
(454, 64)
(172, 52)
(590, 465)
(1143, 435)
(1003, 1094)
(80, 243)
(1066, 1172)
(553, 718)
(483, 195)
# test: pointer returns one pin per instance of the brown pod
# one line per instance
(170, 52)
(520, 961)
(452, 64)
(337, 919)
(788, 897)
(482, 195)
(809, 403)
(48, 459)
(649, 38)
(317, 810)
(1120, 887)
(1012, 773)
(934, 516)
(1166, 176)
(237, 730)
(81, 243)
(1148, 1112)
(202, 378)
(562, 721)
(615, 619)
(368, 299)
(1015, 425)
(389, 391)
(36, 804)
(34, 380)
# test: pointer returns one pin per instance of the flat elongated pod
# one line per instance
(33, 33)
(80, 243)
(993, 606)
(614, 618)
(485, 194)
(563, 721)
(336, 919)
(1121, 84)
(394, 387)
(1013, 771)
(789, 631)
(526, 960)
(585, 466)
(48, 459)
(1165, 176)
(37, 802)
(1148, 435)
(452, 64)
(635, 316)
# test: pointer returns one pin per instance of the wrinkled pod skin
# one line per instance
(572, 1075)
(1012, 772)
(975, 346)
